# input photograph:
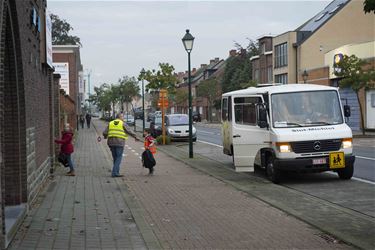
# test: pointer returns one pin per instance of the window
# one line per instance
(269, 74)
(245, 110)
(281, 55)
(256, 75)
(282, 78)
(229, 108)
(320, 16)
(224, 109)
(263, 47)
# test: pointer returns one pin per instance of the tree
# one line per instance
(181, 97)
(164, 78)
(210, 90)
(356, 74)
(128, 89)
(60, 32)
(369, 6)
(238, 69)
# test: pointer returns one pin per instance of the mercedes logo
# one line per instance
(317, 145)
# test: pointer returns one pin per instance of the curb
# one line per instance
(137, 211)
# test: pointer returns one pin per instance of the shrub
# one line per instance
(159, 139)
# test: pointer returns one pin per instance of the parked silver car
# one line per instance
(177, 126)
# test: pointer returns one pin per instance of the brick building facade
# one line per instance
(27, 98)
(70, 102)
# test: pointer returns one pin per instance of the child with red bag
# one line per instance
(149, 144)
(67, 148)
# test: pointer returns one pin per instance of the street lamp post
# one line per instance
(188, 41)
(304, 76)
(143, 72)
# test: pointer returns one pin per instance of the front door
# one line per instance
(248, 137)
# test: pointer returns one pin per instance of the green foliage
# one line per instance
(369, 6)
(60, 32)
(238, 69)
(159, 140)
(181, 96)
(107, 96)
(354, 72)
(356, 75)
(127, 89)
(164, 78)
(209, 89)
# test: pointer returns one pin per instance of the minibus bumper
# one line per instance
(306, 164)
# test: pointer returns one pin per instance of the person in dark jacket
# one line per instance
(67, 147)
(82, 121)
(88, 120)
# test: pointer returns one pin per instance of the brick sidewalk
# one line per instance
(188, 209)
(83, 212)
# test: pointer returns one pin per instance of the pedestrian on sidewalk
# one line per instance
(82, 121)
(88, 120)
(149, 143)
(116, 132)
(67, 147)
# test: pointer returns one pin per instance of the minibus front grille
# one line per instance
(301, 147)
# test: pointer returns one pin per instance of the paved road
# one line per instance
(365, 152)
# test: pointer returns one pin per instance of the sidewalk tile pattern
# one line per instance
(87, 211)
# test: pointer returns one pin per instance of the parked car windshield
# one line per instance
(176, 120)
(303, 109)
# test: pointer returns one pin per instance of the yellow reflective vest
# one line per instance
(116, 129)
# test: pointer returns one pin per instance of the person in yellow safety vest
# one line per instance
(116, 133)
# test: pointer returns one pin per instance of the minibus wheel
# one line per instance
(346, 173)
(273, 173)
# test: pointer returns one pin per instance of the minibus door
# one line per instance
(248, 137)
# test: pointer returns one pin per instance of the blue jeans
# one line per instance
(117, 157)
(70, 162)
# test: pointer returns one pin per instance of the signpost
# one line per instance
(163, 103)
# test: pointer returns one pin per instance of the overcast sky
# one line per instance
(122, 37)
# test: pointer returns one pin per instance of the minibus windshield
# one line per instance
(305, 109)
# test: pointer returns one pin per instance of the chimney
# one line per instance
(217, 59)
(232, 52)
(203, 65)
(212, 61)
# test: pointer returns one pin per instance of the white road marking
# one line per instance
(136, 154)
(140, 158)
(209, 143)
(366, 158)
(133, 150)
(355, 178)
(205, 132)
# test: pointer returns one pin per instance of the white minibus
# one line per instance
(292, 127)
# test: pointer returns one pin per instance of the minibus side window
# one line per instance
(224, 109)
(245, 110)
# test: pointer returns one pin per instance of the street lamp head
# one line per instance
(305, 75)
(188, 41)
(143, 71)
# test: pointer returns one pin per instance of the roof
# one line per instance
(321, 18)
(280, 89)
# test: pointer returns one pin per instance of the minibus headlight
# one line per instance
(284, 147)
(347, 143)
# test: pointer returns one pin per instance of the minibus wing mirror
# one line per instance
(262, 116)
(347, 112)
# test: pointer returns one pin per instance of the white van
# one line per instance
(293, 127)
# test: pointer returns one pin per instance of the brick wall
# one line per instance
(2, 44)
(67, 111)
(26, 131)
